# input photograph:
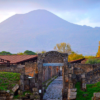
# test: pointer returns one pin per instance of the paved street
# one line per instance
(54, 90)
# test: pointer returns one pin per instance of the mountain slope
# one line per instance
(42, 30)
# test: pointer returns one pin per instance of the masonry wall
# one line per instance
(92, 72)
(30, 68)
(3, 66)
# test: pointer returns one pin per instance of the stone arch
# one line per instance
(53, 57)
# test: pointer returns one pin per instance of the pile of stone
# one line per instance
(5, 95)
(72, 94)
(96, 96)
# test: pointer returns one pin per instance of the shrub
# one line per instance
(92, 61)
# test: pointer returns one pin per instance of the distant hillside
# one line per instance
(42, 30)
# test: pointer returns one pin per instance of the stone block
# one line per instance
(97, 95)
(34, 89)
(15, 87)
(72, 90)
(83, 76)
(72, 93)
(31, 96)
(72, 97)
(2, 98)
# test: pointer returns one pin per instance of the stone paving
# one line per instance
(54, 90)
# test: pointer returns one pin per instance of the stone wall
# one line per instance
(91, 71)
(30, 68)
(12, 69)
(3, 65)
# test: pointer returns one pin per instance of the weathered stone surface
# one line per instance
(72, 93)
(72, 97)
(15, 87)
(35, 90)
(97, 95)
(72, 90)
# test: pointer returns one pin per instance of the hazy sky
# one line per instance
(82, 12)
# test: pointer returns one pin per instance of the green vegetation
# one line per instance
(8, 80)
(23, 95)
(75, 56)
(92, 61)
(27, 52)
(91, 88)
(5, 53)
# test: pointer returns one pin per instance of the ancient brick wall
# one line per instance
(3, 66)
(92, 72)
(93, 76)
(12, 69)
(30, 68)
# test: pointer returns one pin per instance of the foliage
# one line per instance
(93, 61)
(28, 52)
(98, 53)
(43, 51)
(63, 47)
(5, 53)
(20, 53)
(91, 88)
(8, 80)
(75, 56)
(88, 57)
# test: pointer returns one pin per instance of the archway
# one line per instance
(56, 59)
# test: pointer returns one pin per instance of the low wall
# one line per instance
(92, 72)
(12, 69)
(93, 76)
(84, 68)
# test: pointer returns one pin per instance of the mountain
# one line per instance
(42, 30)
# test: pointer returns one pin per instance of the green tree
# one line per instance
(28, 52)
(93, 61)
(5, 53)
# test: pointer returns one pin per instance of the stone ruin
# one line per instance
(72, 73)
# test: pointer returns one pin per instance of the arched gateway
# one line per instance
(53, 58)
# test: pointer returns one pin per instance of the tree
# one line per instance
(43, 51)
(20, 53)
(63, 47)
(5, 53)
(98, 53)
(75, 56)
(28, 52)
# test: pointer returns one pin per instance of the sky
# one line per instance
(81, 12)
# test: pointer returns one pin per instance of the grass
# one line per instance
(23, 95)
(8, 80)
(91, 88)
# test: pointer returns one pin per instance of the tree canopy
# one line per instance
(98, 53)
(63, 47)
(28, 52)
(5, 53)
(75, 56)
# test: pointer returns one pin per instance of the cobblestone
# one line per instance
(54, 90)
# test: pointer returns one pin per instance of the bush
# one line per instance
(92, 61)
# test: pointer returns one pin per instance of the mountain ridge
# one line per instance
(42, 30)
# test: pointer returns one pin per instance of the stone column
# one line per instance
(22, 82)
(40, 74)
(71, 87)
(65, 78)
(83, 83)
